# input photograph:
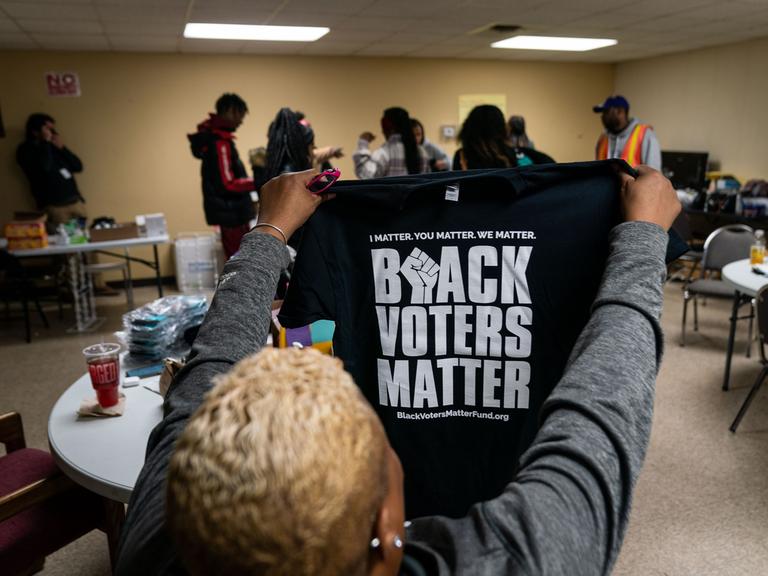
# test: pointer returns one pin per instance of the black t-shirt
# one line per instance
(457, 299)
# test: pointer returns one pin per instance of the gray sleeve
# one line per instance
(236, 325)
(369, 164)
(434, 152)
(651, 150)
(566, 511)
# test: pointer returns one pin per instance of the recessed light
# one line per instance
(253, 32)
(554, 43)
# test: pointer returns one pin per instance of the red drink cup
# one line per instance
(104, 367)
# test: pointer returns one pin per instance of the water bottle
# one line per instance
(757, 252)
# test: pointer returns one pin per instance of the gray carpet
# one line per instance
(701, 505)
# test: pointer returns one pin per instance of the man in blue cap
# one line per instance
(626, 137)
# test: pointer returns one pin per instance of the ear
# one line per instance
(385, 558)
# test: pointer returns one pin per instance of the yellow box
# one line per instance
(18, 229)
(27, 243)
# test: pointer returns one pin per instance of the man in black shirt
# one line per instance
(50, 168)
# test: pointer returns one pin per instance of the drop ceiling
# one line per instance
(402, 28)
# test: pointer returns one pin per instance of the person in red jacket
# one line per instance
(226, 185)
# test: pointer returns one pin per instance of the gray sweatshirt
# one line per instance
(566, 512)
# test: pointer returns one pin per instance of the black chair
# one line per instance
(15, 286)
(725, 245)
(762, 330)
(692, 258)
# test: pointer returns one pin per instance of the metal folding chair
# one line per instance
(723, 246)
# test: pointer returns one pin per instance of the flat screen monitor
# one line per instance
(685, 169)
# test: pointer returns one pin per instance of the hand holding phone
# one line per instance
(323, 181)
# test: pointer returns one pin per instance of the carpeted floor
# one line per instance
(701, 505)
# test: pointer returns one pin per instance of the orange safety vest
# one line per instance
(633, 149)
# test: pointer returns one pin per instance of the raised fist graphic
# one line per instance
(421, 272)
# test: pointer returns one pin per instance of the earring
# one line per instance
(397, 542)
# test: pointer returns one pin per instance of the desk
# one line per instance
(105, 455)
(702, 224)
(739, 276)
(80, 283)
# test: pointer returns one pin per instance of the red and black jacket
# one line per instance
(226, 185)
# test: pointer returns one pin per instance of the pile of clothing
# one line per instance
(158, 329)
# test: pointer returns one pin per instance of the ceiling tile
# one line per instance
(172, 30)
(74, 42)
(407, 9)
(143, 43)
(16, 41)
(61, 27)
(40, 2)
(546, 17)
(8, 26)
(730, 10)
(143, 13)
(252, 15)
(135, 3)
(236, 5)
(371, 23)
(441, 26)
(503, 4)
(342, 7)
(429, 28)
(656, 8)
(63, 11)
(306, 19)
(475, 17)
(366, 36)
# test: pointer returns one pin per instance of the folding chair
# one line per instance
(723, 246)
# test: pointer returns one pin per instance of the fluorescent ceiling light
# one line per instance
(553, 43)
(252, 32)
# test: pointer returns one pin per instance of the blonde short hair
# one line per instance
(280, 471)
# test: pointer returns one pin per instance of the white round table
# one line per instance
(104, 454)
(740, 277)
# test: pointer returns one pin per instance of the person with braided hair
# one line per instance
(290, 144)
(290, 147)
(398, 156)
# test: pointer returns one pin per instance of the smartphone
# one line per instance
(323, 181)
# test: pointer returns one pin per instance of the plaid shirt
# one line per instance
(389, 160)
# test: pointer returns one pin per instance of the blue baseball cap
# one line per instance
(612, 102)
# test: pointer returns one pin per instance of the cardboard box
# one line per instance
(122, 231)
